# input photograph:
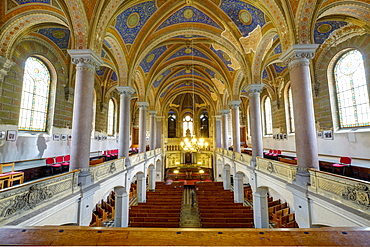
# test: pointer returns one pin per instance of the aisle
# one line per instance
(189, 212)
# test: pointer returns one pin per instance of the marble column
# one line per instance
(124, 120)
(254, 91)
(159, 134)
(142, 125)
(218, 131)
(86, 63)
(298, 58)
(141, 187)
(225, 139)
(121, 209)
(152, 115)
(236, 125)
(5, 65)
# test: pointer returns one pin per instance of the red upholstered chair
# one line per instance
(65, 163)
(54, 166)
(343, 163)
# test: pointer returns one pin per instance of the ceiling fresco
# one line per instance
(162, 47)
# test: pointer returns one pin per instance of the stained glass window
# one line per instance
(291, 114)
(35, 96)
(188, 125)
(268, 116)
(351, 89)
(111, 111)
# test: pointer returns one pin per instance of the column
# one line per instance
(121, 209)
(5, 65)
(86, 63)
(152, 115)
(218, 131)
(254, 91)
(141, 187)
(225, 138)
(238, 188)
(159, 134)
(298, 58)
(226, 179)
(151, 178)
(142, 125)
(236, 125)
(124, 120)
(260, 209)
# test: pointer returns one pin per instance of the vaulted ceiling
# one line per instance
(164, 48)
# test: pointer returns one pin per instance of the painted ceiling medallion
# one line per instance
(188, 50)
(324, 28)
(133, 20)
(59, 34)
(150, 58)
(188, 13)
(245, 17)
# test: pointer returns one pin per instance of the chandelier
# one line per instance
(193, 144)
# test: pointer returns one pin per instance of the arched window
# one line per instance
(171, 124)
(93, 112)
(267, 116)
(35, 96)
(188, 126)
(290, 111)
(351, 90)
(111, 118)
(204, 124)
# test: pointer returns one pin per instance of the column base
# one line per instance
(85, 179)
(302, 178)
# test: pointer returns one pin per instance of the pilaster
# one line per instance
(142, 125)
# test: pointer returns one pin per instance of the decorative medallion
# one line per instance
(150, 58)
(245, 17)
(188, 50)
(188, 35)
(324, 28)
(59, 34)
(159, 77)
(188, 13)
(133, 20)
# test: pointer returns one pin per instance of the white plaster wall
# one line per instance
(325, 213)
(285, 144)
(107, 186)
(63, 213)
(352, 144)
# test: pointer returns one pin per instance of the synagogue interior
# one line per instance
(160, 121)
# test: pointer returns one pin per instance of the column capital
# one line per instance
(224, 112)
(299, 54)
(85, 58)
(254, 89)
(143, 104)
(235, 103)
(125, 90)
(218, 117)
(152, 113)
(159, 118)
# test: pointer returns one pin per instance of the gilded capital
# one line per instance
(85, 58)
(299, 55)
(254, 88)
(143, 105)
(125, 90)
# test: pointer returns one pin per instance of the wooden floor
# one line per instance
(90, 236)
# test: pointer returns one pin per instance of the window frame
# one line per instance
(333, 93)
(51, 97)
